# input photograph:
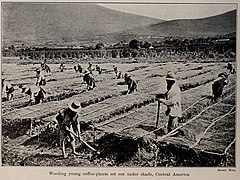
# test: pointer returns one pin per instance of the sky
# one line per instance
(173, 11)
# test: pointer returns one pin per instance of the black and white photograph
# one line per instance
(117, 84)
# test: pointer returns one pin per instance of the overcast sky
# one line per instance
(173, 11)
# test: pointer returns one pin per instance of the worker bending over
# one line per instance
(7, 90)
(69, 126)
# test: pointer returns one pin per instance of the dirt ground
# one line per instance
(115, 115)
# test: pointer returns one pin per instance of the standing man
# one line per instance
(230, 67)
(40, 78)
(115, 70)
(61, 67)
(79, 67)
(43, 64)
(75, 68)
(90, 69)
(172, 101)
(69, 126)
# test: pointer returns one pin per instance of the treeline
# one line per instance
(208, 47)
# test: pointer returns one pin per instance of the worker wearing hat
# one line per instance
(40, 78)
(89, 79)
(68, 121)
(117, 72)
(37, 94)
(7, 89)
(98, 69)
(132, 85)
(89, 68)
(172, 101)
(218, 85)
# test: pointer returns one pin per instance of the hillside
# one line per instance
(210, 26)
(41, 22)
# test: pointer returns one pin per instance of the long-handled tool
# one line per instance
(158, 113)
(82, 141)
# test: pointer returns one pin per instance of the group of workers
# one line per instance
(35, 92)
(68, 118)
(78, 68)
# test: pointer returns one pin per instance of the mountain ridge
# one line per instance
(90, 23)
(214, 25)
(64, 22)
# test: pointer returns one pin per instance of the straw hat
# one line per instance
(126, 75)
(224, 75)
(25, 88)
(37, 69)
(74, 106)
(170, 76)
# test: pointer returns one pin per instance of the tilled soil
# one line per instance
(116, 110)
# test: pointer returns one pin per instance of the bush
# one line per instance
(133, 44)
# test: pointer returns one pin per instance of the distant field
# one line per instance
(17, 60)
(113, 113)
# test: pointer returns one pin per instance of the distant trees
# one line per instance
(134, 44)
(99, 46)
(146, 45)
(12, 47)
(200, 47)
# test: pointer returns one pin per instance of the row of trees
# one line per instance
(133, 53)
(207, 46)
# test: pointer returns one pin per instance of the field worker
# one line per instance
(90, 81)
(7, 90)
(172, 101)
(119, 74)
(79, 68)
(98, 69)
(217, 86)
(36, 94)
(230, 67)
(234, 71)
(61, 67)
(132, 85)
(43, 64)
(40, 78)
(115, 70)
(75, 68)
(90, 69)
(68, 121)
(47, 68)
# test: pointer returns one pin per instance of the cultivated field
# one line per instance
(124, 125)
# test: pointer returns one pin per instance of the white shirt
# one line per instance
(173, 101)
(40, 77)
(5, 88)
